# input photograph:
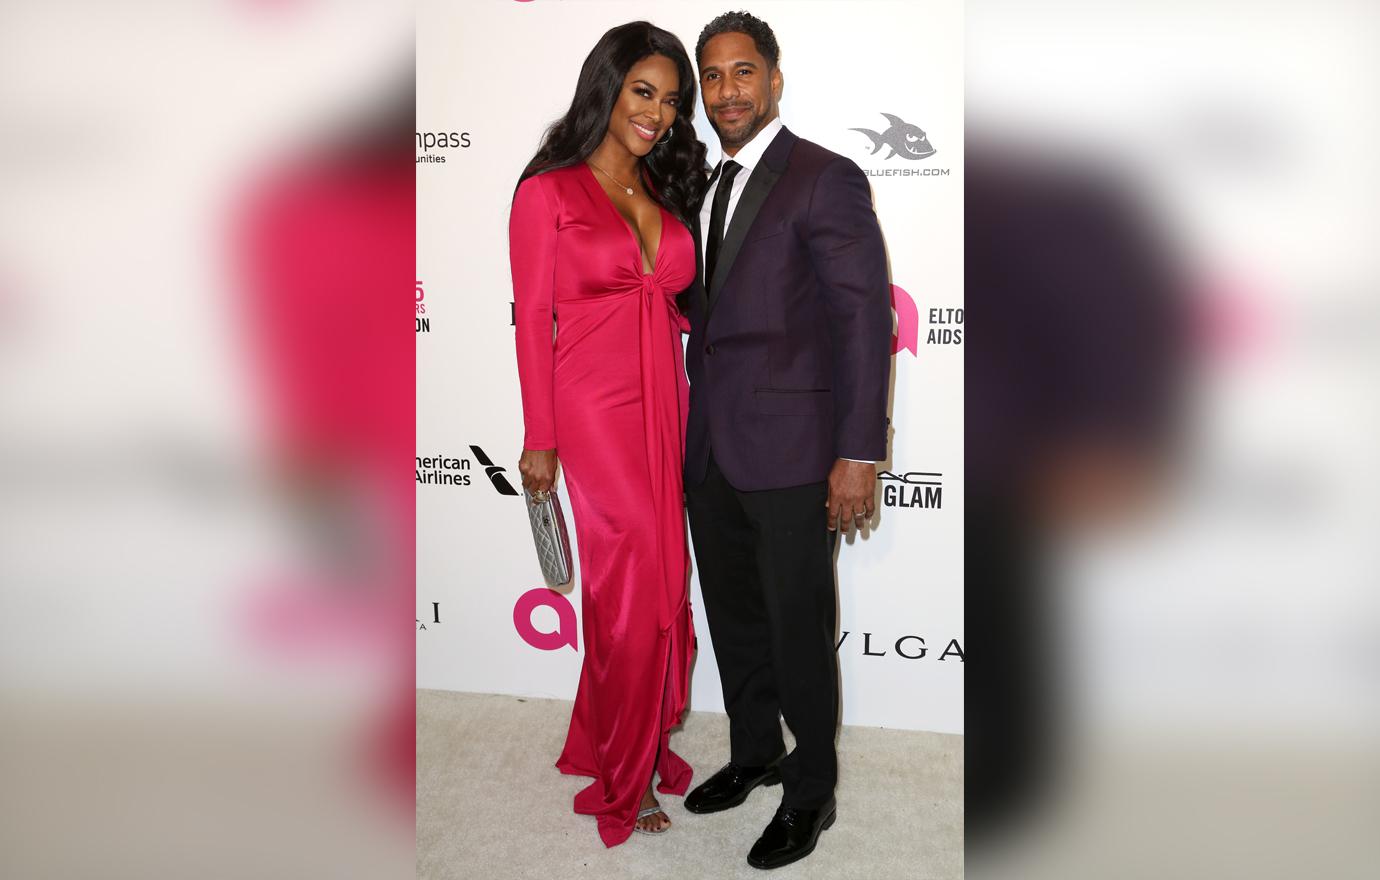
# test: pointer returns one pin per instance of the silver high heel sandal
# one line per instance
(650, 811)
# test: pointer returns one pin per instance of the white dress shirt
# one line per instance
(749, 156)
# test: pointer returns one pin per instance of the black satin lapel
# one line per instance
(714, 175)
(749, 203)
(699, 262)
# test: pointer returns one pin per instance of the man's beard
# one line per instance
(742, 131)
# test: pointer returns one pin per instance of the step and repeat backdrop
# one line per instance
(881, 83)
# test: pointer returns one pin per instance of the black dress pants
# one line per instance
(766, 569)
(1012, 717)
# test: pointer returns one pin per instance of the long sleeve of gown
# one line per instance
(532, 253)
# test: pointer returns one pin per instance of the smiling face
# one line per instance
(646, 105)
(740, 93)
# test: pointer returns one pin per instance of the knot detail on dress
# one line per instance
(650, 286)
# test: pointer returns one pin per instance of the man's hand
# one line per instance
(538, 469)
(852, 485)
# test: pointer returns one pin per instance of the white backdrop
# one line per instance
(491, 76)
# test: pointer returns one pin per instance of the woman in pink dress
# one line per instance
(600, 248)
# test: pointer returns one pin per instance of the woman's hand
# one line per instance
(538, 469)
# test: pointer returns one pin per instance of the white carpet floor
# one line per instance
(490, 803)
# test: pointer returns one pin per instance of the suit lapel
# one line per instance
(759, 186)
(701, 283)
(700, 291)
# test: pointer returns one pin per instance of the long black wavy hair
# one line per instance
(676, 168)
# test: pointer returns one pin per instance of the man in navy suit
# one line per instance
(789, 358)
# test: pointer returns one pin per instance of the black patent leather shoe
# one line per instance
(790, 836)
(729, 787)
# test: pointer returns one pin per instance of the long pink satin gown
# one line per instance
(610, 396)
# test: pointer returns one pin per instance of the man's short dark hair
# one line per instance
(742, 23)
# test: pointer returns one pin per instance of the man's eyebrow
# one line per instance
(715, 68)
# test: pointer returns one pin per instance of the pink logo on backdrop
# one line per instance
(1232, 318)
(565, 612)
(907, 322)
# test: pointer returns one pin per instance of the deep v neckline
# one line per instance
(642, 258)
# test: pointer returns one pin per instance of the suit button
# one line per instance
(709, 349)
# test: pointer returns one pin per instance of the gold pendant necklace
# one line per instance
(626, 188)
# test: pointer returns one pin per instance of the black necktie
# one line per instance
(717, 215)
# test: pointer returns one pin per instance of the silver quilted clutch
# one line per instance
(550, 536)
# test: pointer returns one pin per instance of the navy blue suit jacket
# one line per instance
(790, 349)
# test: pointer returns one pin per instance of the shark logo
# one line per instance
(494, 473)
(904, 139)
